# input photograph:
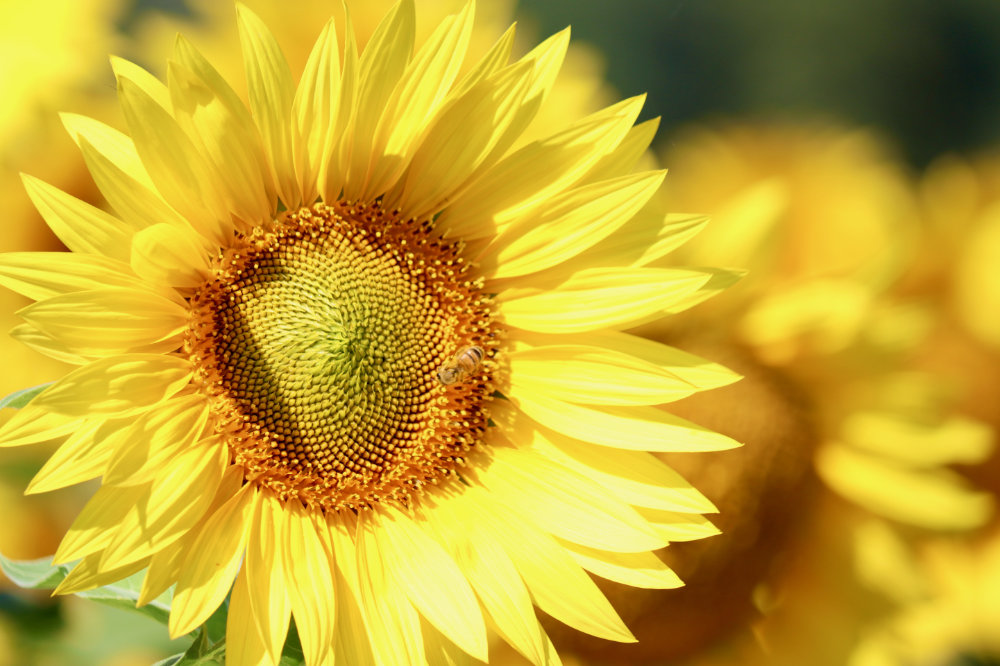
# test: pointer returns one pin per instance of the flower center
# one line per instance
(322, 339)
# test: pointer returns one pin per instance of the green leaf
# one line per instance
(215, 625)
(172, 660)
(42, 575)
(34, 574)
(201, 653)
(19, 399)
(124, 594)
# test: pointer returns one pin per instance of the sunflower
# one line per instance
(826, 222)
(948, 598)
(353, 351)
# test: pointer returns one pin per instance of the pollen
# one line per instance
(319, 339)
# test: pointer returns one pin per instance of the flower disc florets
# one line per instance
(320, 337)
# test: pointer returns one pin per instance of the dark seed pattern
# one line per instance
(319, 339)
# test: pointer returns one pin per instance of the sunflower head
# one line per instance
(322, 338)
(351, 353)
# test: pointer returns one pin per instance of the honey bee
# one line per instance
(463, 364)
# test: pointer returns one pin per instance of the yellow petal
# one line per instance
(88, 574)
(34, 423)
(692, 369)
(456, 143)
(107, 512)
(175, 502)
(719, 279)
(155, 438)
(83, 456)
(382, 64)
(909, 442)
(417, 97)
(495, 59)
(114, 146)
(493, 577)
(531, 175)
(80, 226)
(635, 477)
(212, 114)
(564, 503)
(264, 571)
(636, 569)
(340, 160)
(244, 646)
(181, 174)
(392, 622)
(271, 90)
(308, 573)
(352, 644)
(623, 158)
(433, 582)
(599, 298)
(165, 566)
(111, 320)
(116, 384)
(41, 275)
(149, 84)
(644, 241)
(31, 337)
(558, 585)
(639, 428)
(593, 375)
(937, 499)
(170, 255)
(211, 563)
(569, 224)
(314, 113)
(137, 204)
(674, 526)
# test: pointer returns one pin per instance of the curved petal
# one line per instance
(599, 298)
(564, 503)
(180, 172)
(80, 226)
(418, 95)
(432, 581)
(308, 573)
(271, 89)
(116, 384)
(380, 68)
(640, 428)
(568, 224)
(529, 176)
(210, 564)
(41, 275)
(111, 320)
(83, 456)
(214, 115)
(170, 255)
(315, 112)
(593, 375)
(636, 569)
(263, 567)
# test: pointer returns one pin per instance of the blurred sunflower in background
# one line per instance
(357, 348)
(829, 338)
(944, 594)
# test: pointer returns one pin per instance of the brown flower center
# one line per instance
(321, 339)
